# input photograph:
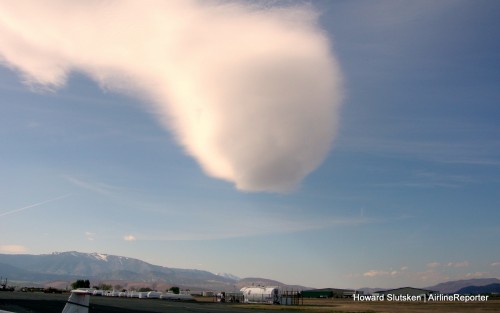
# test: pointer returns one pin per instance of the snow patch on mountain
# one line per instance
(227, 275)
(100, 256)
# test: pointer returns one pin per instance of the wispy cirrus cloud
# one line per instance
(249, 226)
(390, 272)
(458, 264)
(90, 236)
(433, 264)
(13, 249)
(435, 272)
(478, 275)
(473, 153)
(102, 188)
(374, 273)
(129, 238)
(448, 264)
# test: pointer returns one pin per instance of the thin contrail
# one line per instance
(34, 205)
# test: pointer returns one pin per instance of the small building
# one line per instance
(406, 291)
(208, 294)
(230, 297)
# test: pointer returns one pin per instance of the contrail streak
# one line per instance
(34, 205)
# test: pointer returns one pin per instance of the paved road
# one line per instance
(49, 303)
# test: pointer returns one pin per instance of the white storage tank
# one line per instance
(268, 295)
(173, 296)
(133, 294)
(154, 295)
(143, 295)
(113, 293)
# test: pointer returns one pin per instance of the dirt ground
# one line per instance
(348, 305)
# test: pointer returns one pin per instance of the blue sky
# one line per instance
(407, 195)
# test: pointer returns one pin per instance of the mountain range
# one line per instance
(465, 286)
(60, 269)
(460, 286)
(476, 290)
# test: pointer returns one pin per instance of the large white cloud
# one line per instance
(250, 91)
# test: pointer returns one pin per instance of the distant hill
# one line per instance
(369, 291)
(474, 290)
(455, 286)
(253, 281)
(14, 273)
(61, 268)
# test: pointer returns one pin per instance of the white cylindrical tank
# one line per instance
(154, 295)
(113, 293)
(133, 294)
(260, 294)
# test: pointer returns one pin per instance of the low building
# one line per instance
(406, 291)
(208, 294)
(329, 293)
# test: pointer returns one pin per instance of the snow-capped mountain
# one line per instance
(97, 266)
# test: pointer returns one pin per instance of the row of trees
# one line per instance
(81, 284)
(86, 284)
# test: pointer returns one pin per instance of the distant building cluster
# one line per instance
(138, 294)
